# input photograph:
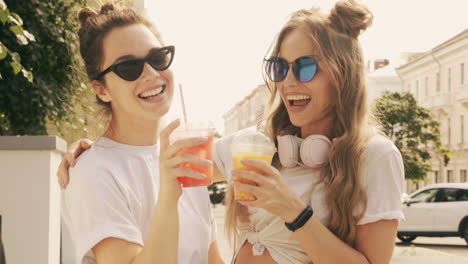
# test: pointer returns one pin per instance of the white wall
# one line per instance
(30, 206)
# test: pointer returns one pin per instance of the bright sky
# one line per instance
(220, 44)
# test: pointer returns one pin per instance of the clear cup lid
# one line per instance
(252, 141)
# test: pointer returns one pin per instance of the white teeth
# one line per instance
(297, 97)
(152, 92)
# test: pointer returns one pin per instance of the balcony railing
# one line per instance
(437, 102)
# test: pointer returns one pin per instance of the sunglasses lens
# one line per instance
(161, 59)
(305, 68)
(129, 70)
(276, 69)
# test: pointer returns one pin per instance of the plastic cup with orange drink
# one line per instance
(250, 145)
(204, 150)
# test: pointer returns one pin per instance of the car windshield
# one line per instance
(426, 196)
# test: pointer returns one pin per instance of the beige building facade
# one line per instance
(244, 113)
(438, 81)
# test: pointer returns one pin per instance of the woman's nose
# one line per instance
(149, 73)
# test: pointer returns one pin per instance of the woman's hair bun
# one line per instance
(84, 14)
(350, 17)
(107, 8)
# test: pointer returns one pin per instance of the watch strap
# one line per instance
(300, 221)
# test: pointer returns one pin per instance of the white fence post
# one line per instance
(30, 198)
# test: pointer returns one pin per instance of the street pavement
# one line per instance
(450, 245)
(421, 251)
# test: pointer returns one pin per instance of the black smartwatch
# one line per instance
(303, 217)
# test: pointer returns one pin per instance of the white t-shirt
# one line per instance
(113, 192)
(382, 178)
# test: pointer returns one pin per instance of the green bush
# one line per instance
(39, 53)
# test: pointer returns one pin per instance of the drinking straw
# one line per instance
(183, 106)
(259, 118)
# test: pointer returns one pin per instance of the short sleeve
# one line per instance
(94, 207)
(222, 156)
(383, 182)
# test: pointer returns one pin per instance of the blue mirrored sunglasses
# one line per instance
(304, 68)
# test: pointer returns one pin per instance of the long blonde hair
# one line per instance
(336, 34)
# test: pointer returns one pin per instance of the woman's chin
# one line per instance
(303, 122)
(157, 114)
(297, 122)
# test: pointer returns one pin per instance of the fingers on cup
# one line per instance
(245, 187)
(181, 172)
(251, 177)
(261, 165)
(167, 131)
(189, 158)
(185, 143)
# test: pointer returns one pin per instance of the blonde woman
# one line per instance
(343, 208)
(341, 204)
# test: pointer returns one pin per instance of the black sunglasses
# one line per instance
(304, 68)
(131, 69)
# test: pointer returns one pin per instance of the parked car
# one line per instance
(217, 192)
(437, 210)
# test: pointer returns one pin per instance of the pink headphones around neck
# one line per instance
(312, 151)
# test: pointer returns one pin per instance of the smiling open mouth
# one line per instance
(298, 100)
(153, 93)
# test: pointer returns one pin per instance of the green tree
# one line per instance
(38, 61)
(414, 131)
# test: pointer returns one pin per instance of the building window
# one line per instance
(449, 132)
(426, 88)
(462, 129)
(438, 82)
(462, 175)
(449, 176)
(449, 78)
(436, 176)
(462, 73)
